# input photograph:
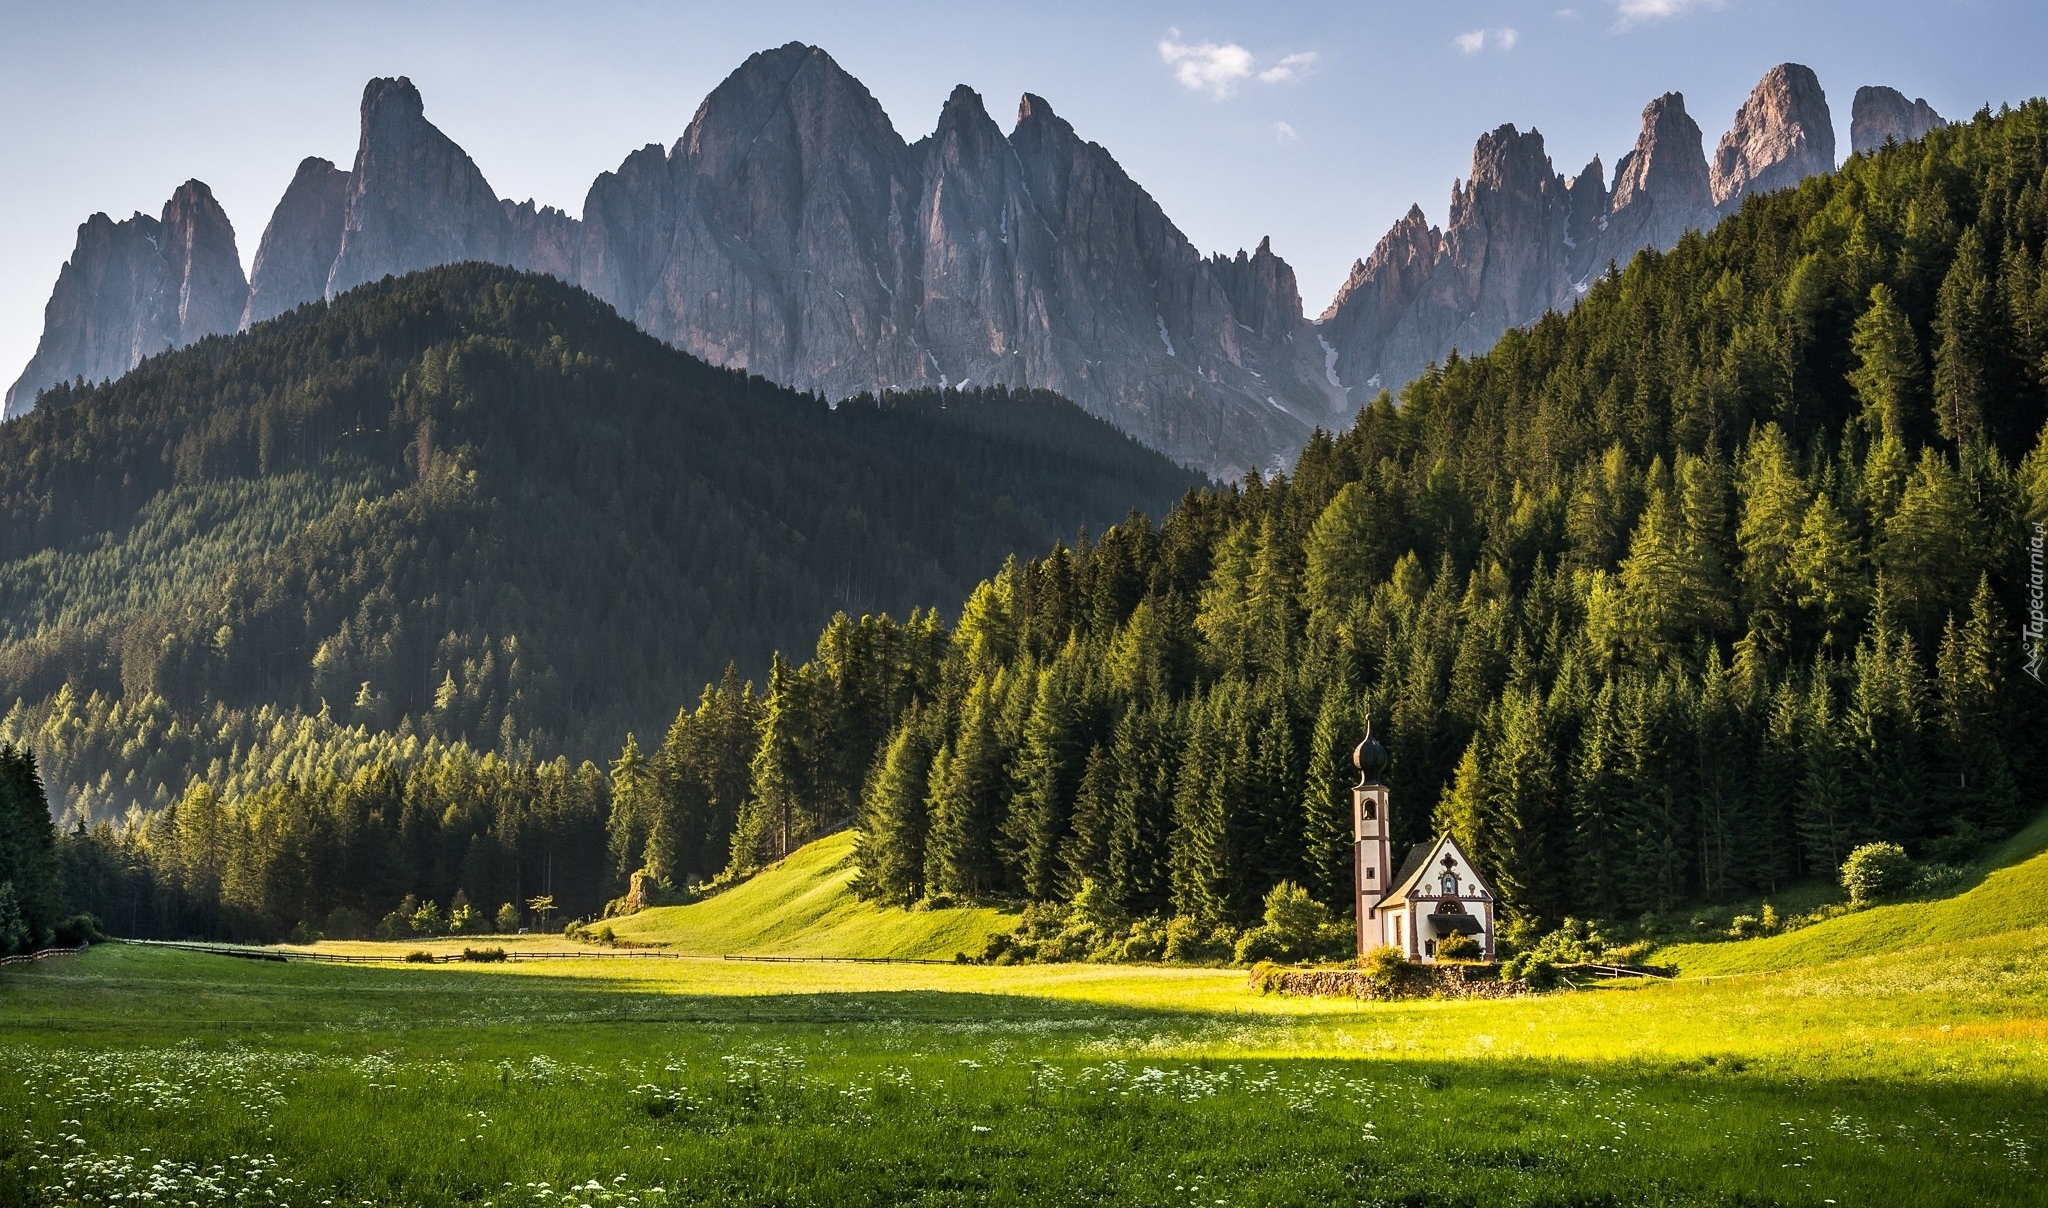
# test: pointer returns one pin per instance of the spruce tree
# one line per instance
(894, 819)
(1890, 376)
(1967, 342)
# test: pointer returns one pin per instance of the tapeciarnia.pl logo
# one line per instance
(2032, 630)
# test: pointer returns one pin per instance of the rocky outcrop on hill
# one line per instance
(1880, 115)
(1782, 134)
(134, 288)
(299, 245)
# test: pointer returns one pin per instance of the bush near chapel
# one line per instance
(1877, 872)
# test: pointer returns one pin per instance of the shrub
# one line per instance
(1386, 965)
(1266, 976)
(1745, 927)
(79, 929)
(346, 924)
(1183, 939)
(1094, 907)
(1458, 947)
(1630, 953)
(1938, 879)
(302, 934)
(1877, 872)
(1540, 973)
(508, 919)
(427, 920)
(1146, 941)
(1295, 918)
(419, 958)
(604, 935)
(483, 956)
(1259, 946)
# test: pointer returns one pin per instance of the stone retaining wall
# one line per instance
(1417, 981)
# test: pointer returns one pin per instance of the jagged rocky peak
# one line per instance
(301, 242)
(1879, 115)
(135, 288)
(1377, 294)
(1585, 197)
(1782, 134)
(1662, 187)
(414, 199)
(202, 268)
(1264, 296)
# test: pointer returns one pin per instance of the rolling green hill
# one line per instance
(473, 505)
(2007, 893)
(805, 906)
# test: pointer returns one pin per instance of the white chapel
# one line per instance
(1437, 891)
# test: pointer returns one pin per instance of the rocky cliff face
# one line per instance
(791, 231)
(301, 242)
(1880, 114)
(1661, 188)
(414, 200)
(1522, 239)
(1782, 134)
(135, 288)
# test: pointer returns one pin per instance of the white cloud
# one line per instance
(1219, 68)
(1207, 67)
(1502, 40)
(1639, 12)
(1291, 67)
(1286, 133)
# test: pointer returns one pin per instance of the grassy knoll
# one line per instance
(1896, 1079)
(805, 906)
(2007, 892)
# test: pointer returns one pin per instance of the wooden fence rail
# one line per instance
(253, 953)
(26, 957)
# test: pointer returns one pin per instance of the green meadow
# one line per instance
(1903, 1061)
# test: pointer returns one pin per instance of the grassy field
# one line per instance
(1895, 1079)
(2007, 892)
(1894, 1057)
(804, 906)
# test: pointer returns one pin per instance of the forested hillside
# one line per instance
(474, 507)
(1677, 597)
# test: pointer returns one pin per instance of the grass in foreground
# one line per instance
(1897, 1080)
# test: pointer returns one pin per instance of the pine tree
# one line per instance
(1328, 845)
(1890, 377)
(894, 821)
(968, 796)
(1145, 755)
(1048, 772)
(1084, 853)
(634, 810)
(1967, 341)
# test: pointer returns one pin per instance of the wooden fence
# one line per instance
(253, 953)
(26, 957)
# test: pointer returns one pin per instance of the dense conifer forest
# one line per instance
(1678, 597)
(467, 511)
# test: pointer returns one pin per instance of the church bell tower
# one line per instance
(1370, 828)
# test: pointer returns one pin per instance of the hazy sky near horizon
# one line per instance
(1315, 123)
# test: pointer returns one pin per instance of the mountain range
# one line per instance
(793, 233)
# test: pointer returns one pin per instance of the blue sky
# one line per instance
(1315, 123)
